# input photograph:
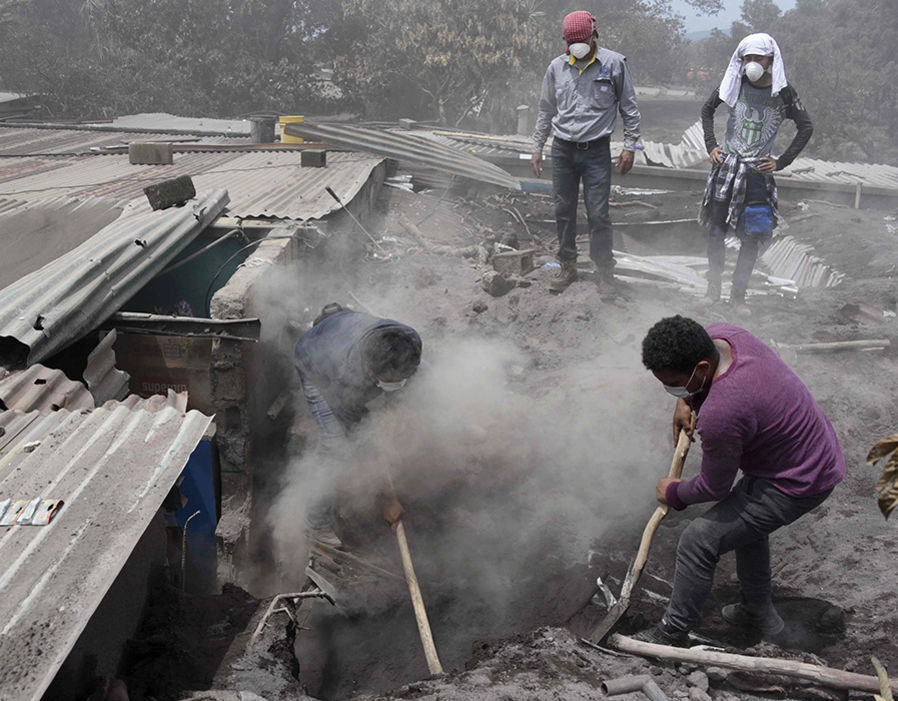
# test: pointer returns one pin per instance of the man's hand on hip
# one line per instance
(536, 161)
(767, 165)
(625, 161)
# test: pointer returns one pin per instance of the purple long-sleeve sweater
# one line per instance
(759, 417)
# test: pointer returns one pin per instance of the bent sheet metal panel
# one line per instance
(113, 467)
(51, 307)
(43, 389)
(406, 147)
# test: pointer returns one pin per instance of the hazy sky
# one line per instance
(731, 11)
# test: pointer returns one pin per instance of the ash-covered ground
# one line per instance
(527, 449)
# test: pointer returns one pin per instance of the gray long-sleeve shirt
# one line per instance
(581, 104)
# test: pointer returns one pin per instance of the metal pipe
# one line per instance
(346, 209)
(184, 550)
(638, 682)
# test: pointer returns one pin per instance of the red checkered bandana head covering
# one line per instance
(578, 26)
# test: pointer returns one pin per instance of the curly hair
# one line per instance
(676, 343)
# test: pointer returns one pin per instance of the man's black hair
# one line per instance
(392, 354)
(676, 343)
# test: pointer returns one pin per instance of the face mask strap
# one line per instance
(682, 392)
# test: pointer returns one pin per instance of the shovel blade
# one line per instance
(601, 631)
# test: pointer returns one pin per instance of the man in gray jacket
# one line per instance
(582, 92)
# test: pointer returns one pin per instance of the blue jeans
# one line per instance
(742, 522)
(329, 459)
(750, 244)
(591, 162)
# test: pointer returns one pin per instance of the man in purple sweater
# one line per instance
(755, 415)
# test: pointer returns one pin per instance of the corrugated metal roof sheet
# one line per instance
(260, 183)
(690, 153)
(34, 233)
(18, 140)
(273, 184)
(42, 389)
(162, 121)
(104, 380)
(405, 146)
(51, 307)
(112, 466)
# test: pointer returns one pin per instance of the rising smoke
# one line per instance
(507, 475)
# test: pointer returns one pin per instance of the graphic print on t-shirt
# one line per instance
(753, 122)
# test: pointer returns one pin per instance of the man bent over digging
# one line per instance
(755, 415)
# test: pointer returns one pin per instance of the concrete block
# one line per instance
(313, 158)
(406, 123)
(514, 262)
(495, 283)
(169, 193)
(150, 153)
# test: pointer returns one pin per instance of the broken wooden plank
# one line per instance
(835, 346)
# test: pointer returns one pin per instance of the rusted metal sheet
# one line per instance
(46, 310)
(112, 466)
(248, 329)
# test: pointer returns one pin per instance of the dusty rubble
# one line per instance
(575, 356)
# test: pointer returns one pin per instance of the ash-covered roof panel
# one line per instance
(260, 183)
(112, 466)
(33, 234)
(51, 307)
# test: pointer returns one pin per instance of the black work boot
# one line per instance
(605, 283)
(664, 634)
(737, 302)
(566, 274)
(712, 296)
(761, 617)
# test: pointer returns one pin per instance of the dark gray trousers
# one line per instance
(741, 522)
(750, 244)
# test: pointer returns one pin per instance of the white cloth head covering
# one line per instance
(754, 44)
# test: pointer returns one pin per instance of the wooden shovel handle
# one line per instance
(642, 555)
(430, 650)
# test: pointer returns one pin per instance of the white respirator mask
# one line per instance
(682, 392)
(754, 71)
(391, 386)
(579, 50)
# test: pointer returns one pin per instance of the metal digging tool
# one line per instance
(346, 209)
(601, 631)
(430, 650)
